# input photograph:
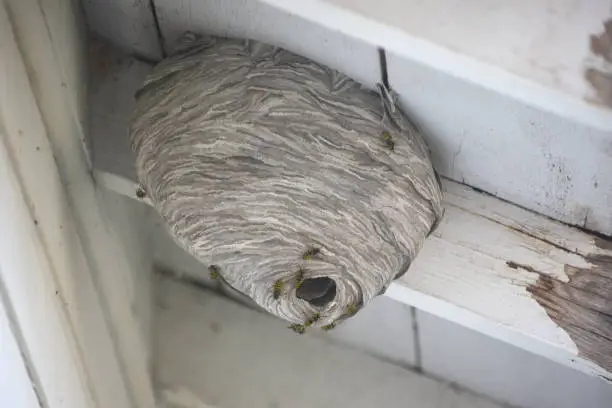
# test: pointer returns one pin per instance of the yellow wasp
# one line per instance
(141, 192)
(214, 272)
(315, 318)
(299, 279)
(386, 137)
(277, 288)
(298, 328)
(351, 309)
(328, 327)
(311, 253)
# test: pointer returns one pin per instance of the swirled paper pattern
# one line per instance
(279, 171)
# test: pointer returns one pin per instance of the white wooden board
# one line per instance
(129, 24)
(535, 51)
(43, 270)
(213, 352)
(262, 22)
(504, 372)
(525, 155)
(484, 267)
(539, 52)
(16, 385)
(89, 265)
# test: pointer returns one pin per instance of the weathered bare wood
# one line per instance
(582, 306)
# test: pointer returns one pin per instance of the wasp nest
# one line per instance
(307, 192)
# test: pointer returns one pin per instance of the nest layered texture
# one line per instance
(285, 178)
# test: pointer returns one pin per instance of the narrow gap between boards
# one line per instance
(384, 75)
(416, 340)
(158, 30)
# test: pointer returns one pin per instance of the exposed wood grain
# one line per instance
(464, 264)
(566, 271)
(582, 306)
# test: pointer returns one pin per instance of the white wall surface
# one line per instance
(504, 372)
(127, 23)
(16, 386)
(212, 352)
(127, 220)
(527, 156)
(383, 329)
(254, 19)
(536, 51)
(53, 42)
(45, 274)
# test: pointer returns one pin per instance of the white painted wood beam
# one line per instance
(535, 51)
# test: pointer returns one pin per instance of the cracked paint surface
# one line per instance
(582, 306)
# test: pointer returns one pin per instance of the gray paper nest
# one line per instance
(287, 179)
